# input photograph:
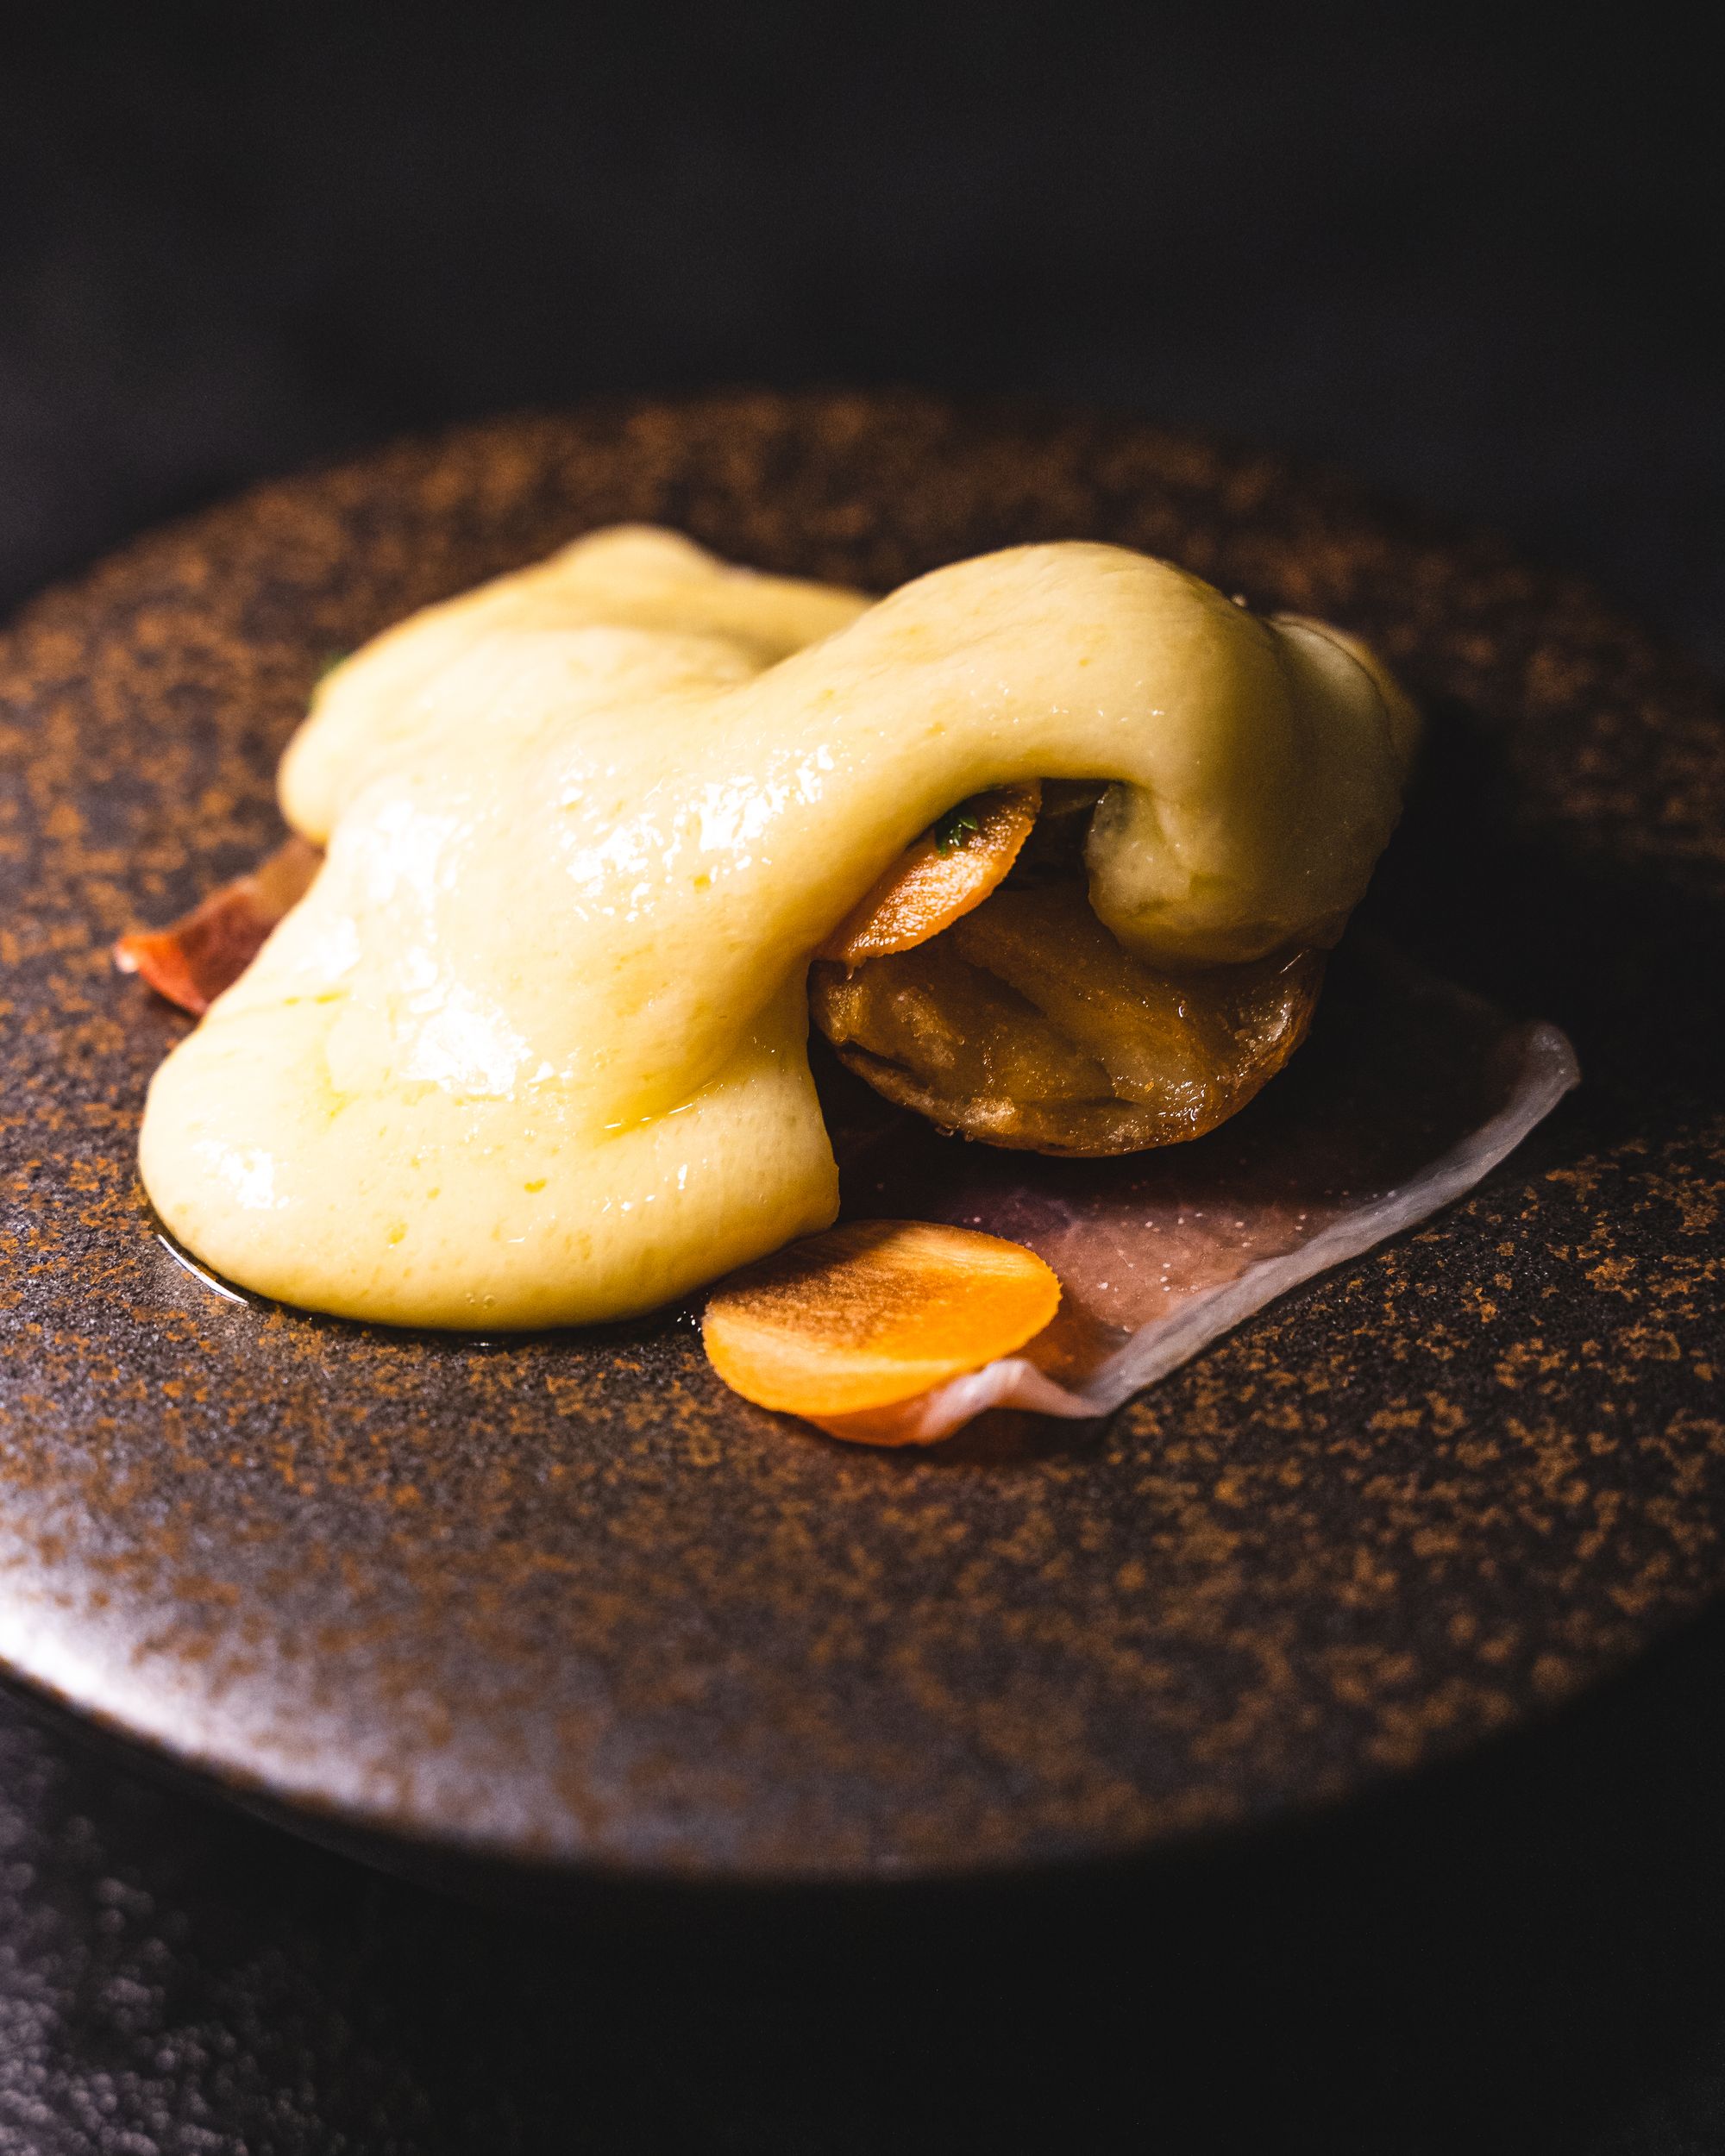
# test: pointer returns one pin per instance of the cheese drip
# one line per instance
(531, 1050)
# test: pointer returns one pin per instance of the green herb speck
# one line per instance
(954, 829)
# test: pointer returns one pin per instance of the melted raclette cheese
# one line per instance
(531, 1050)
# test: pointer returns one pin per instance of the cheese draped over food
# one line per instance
(531, 1050)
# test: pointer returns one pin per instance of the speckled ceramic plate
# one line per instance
(564, 1601)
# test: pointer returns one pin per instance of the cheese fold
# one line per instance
(531, 1049)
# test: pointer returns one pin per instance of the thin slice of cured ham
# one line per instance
(196, 957)
(1409, 1091)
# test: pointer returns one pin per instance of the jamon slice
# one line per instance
(1027, 1024)
(839, 1326)
(946, 872)
(195, 958)
(1409, 1092)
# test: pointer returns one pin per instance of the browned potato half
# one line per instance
(1027, 1024)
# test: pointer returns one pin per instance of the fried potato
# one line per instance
(1027, 1024)
(841, 1325)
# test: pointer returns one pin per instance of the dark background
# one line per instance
(1472, 254)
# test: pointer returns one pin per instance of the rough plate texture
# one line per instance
(565, 1600)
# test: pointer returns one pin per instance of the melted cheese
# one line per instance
(531, 1050)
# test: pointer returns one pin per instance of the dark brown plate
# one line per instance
(564, 1600)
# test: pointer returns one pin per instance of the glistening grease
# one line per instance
(531, 1050)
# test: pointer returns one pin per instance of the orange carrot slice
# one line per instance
(841, 1325)
(940, 877)
(204, 952)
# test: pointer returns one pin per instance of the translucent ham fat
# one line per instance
(1409, 1093)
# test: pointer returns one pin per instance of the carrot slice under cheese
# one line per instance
(195, 958)
(940, 877)
(841, 1325)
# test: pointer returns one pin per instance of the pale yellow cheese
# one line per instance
(531, 1050)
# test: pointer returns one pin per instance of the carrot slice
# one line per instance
(844, 1325)
(204, 952)
(940, 877)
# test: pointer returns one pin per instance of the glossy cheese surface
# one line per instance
(531, 1050)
